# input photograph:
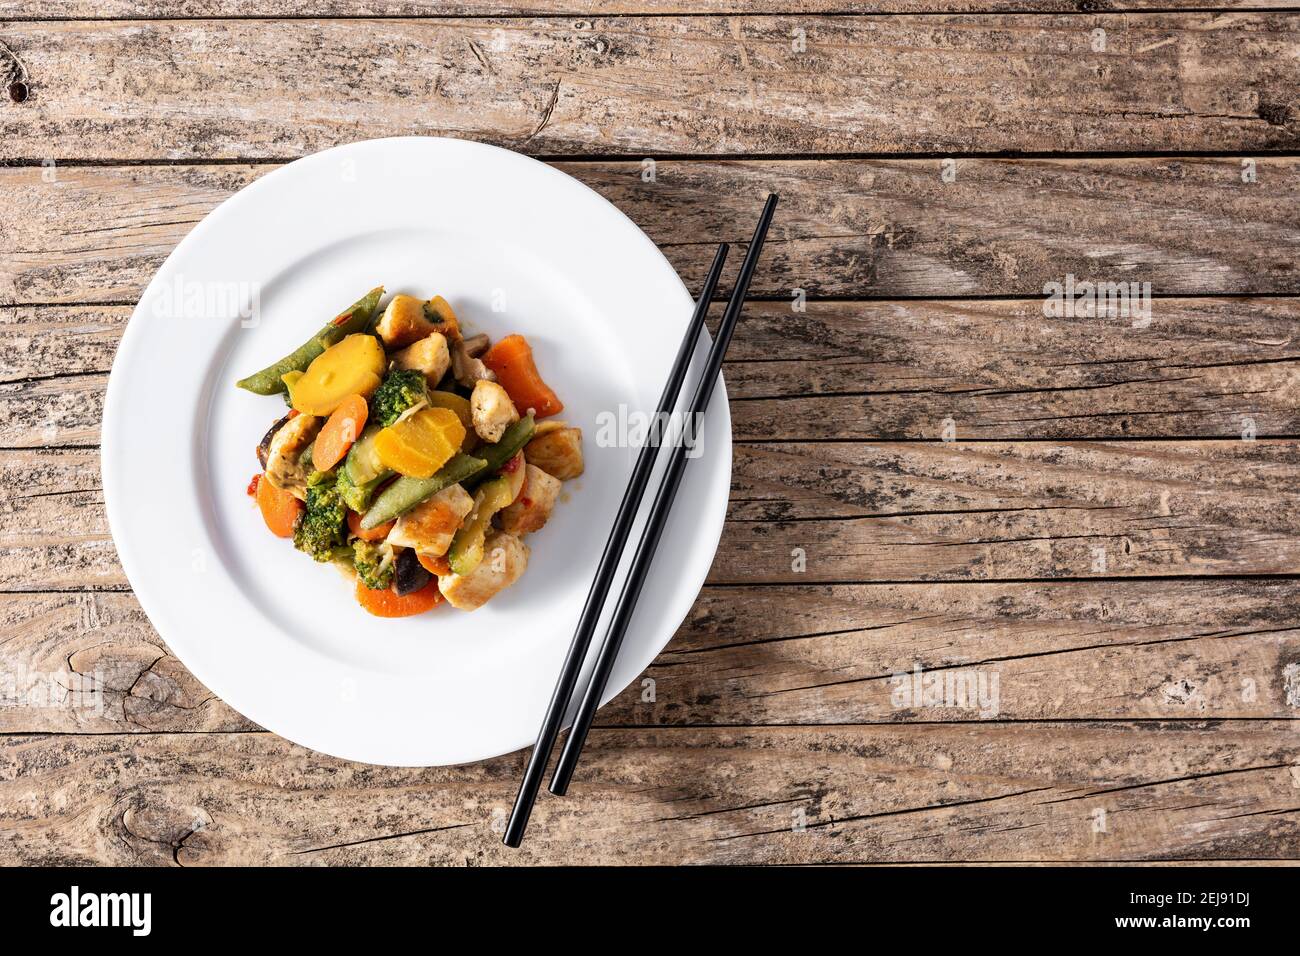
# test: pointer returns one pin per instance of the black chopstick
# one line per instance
(658, 518)
(609, 561)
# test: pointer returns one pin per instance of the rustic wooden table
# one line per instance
(1095, 516)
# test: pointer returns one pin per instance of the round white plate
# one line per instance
(515, 246)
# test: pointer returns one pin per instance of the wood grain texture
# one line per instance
(176, 9)
(683, 85)
(1124, 609)
(898, 370)
(1076, 650)
(836, 513)
(848, 227)
(1006, 511)
(780, 795)
(92, 663)
(1133, 650)
(993, 370)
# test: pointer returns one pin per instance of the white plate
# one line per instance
(281, 638)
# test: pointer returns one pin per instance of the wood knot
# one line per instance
(1274, 114)
(15, 72)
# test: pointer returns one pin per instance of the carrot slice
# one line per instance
(378, 533)
(280, 509)
(387, 603)
(339, 432)
(435, 566)
(512, 361)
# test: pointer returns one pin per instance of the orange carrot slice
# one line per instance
(435, 566)
(339, 432)
(280, 509)
(378, 533)
(512, 361)
(387, 603)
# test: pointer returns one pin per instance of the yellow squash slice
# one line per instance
(352, 367)
(419, 444)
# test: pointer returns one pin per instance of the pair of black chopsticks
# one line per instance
(618, 536)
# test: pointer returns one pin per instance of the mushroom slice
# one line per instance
(264, 446)
(476, 345)
(468, 368)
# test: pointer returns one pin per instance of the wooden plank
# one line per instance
(67, 544)
(846, 227)
(1133, 650)
(954, 511)
(75, 663)
(1072, 650)
(176, 9)
(788, 795)
(993, 370)
(774, 483)
(682, 85)
(848, 513)
(899, 370)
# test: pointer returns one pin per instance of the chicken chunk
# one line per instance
(439, 311)
(284, 466)
(429, 355)
(504, 559)
(556, 448)
(430, 525)
(533, 506)
(405, 321)
(491, 410)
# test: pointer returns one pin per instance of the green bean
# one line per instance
(355, 318)
(405, 493)
(514, 438)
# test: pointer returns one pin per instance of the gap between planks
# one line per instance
(87, 162)
(1146, 723)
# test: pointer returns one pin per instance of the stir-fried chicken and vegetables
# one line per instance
(413, 456)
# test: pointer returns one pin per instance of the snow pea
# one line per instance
(514, 438)
(405, 493)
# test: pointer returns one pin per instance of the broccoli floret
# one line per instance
(374, 563)
(357, 497)
(400, 389)
(322, 530)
